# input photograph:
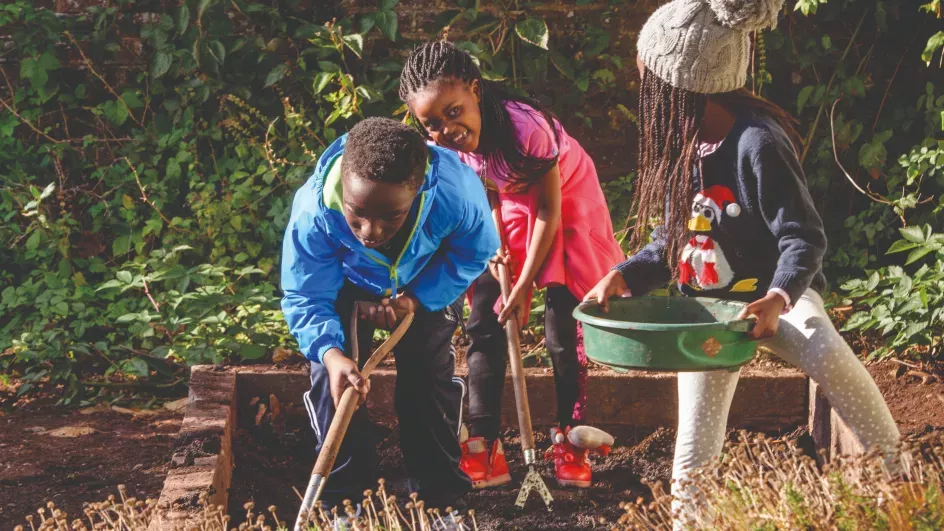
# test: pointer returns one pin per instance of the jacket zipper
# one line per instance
(392, 269)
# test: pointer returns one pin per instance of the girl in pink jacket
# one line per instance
(558, 236)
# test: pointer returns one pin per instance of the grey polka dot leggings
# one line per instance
(805, 339)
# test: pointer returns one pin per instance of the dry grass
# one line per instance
(760, 484)
(378, 511)
(764, 484)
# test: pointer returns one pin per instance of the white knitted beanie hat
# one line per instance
(702, 45)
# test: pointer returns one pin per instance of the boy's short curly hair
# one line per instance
(381, 149)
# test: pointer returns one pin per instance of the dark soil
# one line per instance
(915, 395)
(36, 467)
(271, 460)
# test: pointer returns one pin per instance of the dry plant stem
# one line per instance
(145, 199)
(873, 196)
(108, 86)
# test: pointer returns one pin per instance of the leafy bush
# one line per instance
(143, 209)
(908, 309)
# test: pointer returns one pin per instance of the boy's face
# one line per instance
(448, 110)
(376, 210)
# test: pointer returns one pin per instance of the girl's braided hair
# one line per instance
(443, 61)
(669, 118)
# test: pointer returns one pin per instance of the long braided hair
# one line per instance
(669, 118)
(442, 61)
(668, 148)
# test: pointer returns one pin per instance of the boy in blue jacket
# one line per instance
(386, 218)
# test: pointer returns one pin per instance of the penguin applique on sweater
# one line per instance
(703, 265)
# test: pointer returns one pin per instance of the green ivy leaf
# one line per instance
(803, 97)
(217, 50)
(47, 191)
(901, 246)
(387, 22)
(135, 366)
(917, 254)
(328, 66)
(321, 81)
(111, 284)
(355, 42)
(936, 41)
(563, 65)
(127, 318)
(276, 75)
(366, 23)
(121, 246)
(131, 99)
(914, 234)
(173, 169)
(124, 276)
(160, 64)
(202, 6)
(182, 19)
(32, 243)
(37, 69)
(333, 117)
(251, 352)
(533, 30)
(115, 112)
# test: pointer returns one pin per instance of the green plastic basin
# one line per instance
(667, 334)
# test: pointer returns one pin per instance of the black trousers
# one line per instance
(488, 354)
(427, 401)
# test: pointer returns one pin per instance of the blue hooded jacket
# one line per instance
(451, 241)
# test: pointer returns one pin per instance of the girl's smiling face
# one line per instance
(448, 109)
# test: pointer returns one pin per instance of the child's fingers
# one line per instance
(746, 311)
(360, 384)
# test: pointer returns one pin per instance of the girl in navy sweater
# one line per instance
(719, 166)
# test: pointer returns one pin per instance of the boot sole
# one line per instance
(573, 483)
(494, 482)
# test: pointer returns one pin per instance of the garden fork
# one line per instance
(532, 481)
(342, 416)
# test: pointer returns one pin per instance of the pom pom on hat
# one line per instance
(733, 210)
(746, 15)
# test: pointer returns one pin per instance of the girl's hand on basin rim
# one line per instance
(767, 312)
(612, 285)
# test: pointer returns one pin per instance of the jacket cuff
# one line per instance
(636, 282)
(787, 302)
(319, 356)
(792, 285)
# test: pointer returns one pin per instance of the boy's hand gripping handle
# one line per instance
(342, 416)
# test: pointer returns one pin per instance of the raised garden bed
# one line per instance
(263, 456)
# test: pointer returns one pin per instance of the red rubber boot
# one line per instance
(484, 469)
(474, 460)
(572, 464)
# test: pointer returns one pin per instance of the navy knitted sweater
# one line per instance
(753, 226)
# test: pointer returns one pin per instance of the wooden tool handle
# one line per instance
(335, 436)
(348, 403)
(517, 367)
(514, 343)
